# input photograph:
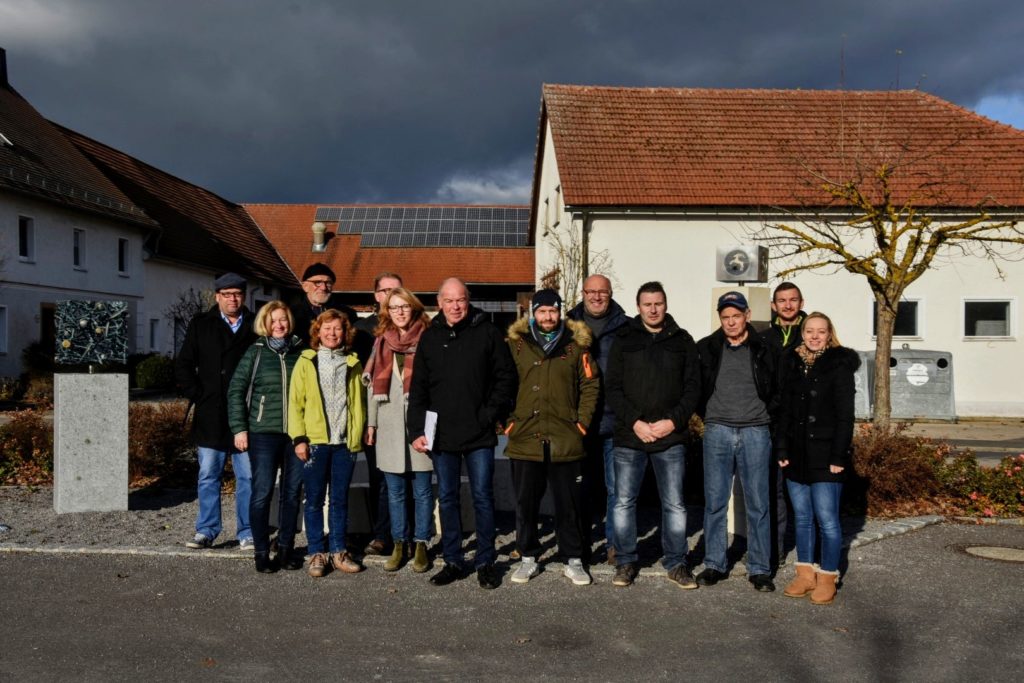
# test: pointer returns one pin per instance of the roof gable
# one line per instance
(717, 147)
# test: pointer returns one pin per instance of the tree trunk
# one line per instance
(886, 323)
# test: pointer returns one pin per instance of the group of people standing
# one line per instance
(296, 393)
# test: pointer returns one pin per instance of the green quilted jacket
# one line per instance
(263, 408)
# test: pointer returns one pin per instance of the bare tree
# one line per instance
(189, 303)
(890, 213)
(566, 271)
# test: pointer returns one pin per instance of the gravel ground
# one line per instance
(161, 521)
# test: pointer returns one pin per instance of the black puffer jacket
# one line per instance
(465, 374)
(204, 368)
(603, 422)
(763, 365)
(652, 377)
(816, 414)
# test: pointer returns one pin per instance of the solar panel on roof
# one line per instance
(417, 226)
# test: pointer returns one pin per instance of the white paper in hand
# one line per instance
(430, 428)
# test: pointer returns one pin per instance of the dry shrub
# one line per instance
(894, 473)
(26, 449)
(159, 447)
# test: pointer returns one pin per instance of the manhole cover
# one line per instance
(996, 552)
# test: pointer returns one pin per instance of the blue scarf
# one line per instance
(546, 340)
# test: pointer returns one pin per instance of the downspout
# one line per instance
(584, 245)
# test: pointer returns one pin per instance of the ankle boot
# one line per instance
(804, 582)
(420, 561)
(825, 588)
(397, 559)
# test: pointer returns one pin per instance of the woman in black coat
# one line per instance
(812, 445)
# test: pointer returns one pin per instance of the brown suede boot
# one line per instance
(825, 589)
(397, 558)
(803, 583)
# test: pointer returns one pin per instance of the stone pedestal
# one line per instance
(90, 442)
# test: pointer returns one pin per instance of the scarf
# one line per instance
(547, 340)
(278, 344)
(378, 368)
(808, 356)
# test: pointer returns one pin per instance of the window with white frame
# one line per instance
(908, 319)
(78, 248)
(123, 254)
(26, 239)
(987, 318)
(3, 329)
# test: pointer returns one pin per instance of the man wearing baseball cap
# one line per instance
(738, 393)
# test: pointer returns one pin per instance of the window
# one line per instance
(907, 320)
(122, 256)
(26, 239)
(79, 248)
(3, 329)
(154, 334)
(986, 318)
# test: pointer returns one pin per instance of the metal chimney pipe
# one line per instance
(319, 243)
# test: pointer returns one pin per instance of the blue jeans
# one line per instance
(669, 468)
(333, 465)
(746, 451)
(818, 501)
(423, 499)
(267, 454)
(480, 467)
(608, 449)
(211, 469)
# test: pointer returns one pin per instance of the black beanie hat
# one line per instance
(545, 297)
(318, 269)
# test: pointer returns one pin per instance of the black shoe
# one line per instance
(709, 577)
(682, 577)
(487, 576)
(265, 565)
(448, 574)
(625, 574)
(288, 559)
(763, 583)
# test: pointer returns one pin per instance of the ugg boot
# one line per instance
(803, 583)
(825, 588)
(420, 561)
(397, 558)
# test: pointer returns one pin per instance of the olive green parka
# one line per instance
(558, 393)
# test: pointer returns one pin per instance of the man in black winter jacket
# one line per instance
(464, 377)
(738, 397)
(653, 385)
(214, 343)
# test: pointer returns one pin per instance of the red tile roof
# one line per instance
(422, 268)
(198, 226)
(714, 147)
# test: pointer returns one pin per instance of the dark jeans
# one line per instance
(531, 479)
(423, 508)
(327, 465)
(817, 502)
(380, 511)
(480, 468)
(269, 453)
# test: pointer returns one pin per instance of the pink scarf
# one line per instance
(378, 368)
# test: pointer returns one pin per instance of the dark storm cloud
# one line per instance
(263, 100)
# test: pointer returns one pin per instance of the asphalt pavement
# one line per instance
(912, 607)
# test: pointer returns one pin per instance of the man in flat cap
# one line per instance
(318, 286)
(214, 343)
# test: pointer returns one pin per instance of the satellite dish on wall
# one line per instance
(742, 263)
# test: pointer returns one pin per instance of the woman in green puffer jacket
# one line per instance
(258, 417)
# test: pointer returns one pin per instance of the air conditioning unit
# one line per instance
(742, 264)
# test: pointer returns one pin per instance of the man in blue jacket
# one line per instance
(603, 315)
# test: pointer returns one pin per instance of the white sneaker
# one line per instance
(245, 545)
(575, 572)
(526, 570)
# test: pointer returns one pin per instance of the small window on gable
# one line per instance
(26, 239)
(78, 248)
(987, 319)
(123, 254)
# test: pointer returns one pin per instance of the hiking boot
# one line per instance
(709, 577)
(448, 574)
(825, 588)
(625, 574)
(420, 559)
(199, 542)
(317, 565)
(487, 576)
(762, 583)
(575, 572)
(375, 547)
(803, 583)
(526, 570)
(343, 562)
(682, 577)
(397, 559)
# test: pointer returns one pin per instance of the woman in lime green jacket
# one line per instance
(326, 420)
